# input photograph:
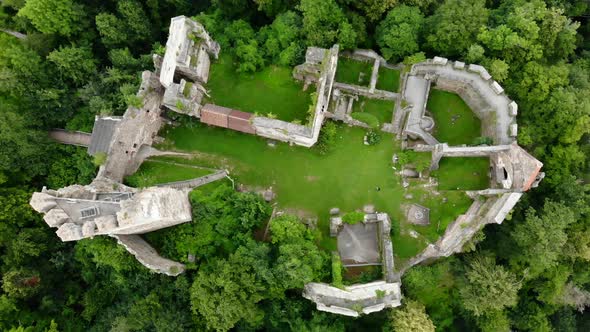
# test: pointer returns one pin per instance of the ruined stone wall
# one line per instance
(483, 211)
(148, 256)
(304, 135)
(476, 86)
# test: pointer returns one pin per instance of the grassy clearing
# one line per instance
(463, 173)
(381, 109)
(405, 247)
(455, 122)
(304, 181)
(155, 172)
(309, 184)
(388, 79)
(272, 90)
(349, 71)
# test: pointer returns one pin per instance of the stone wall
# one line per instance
(148, 256)
(483, 211)
(354, 300)
(305, 135)
(475, 85)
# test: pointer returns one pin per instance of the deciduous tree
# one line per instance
(397, 35)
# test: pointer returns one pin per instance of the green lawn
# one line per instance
(381, 109)
(154, 172)
(349, 71)
(388, 79)
(272, 90)
(309, 184)
(463, 173)
(455, 123)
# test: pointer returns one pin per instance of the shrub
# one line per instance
(373, 137)
(482, 140)
(99, 158)
(395, 228)
(327, 137)
(187, 89)
(353, 217)
(179, 105)
(367, 118)
(336, 270)
(134, 101)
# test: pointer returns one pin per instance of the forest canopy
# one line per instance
(62, 62)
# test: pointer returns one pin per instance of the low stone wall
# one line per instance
(148, 256)
(197, 182)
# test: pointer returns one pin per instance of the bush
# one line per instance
(482, 140)
(373, 137)
(336, 270)
(367, 118)
(327, 137)
(134, 101)
(99, 158)
(353, 217)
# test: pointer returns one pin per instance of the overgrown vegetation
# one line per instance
(78, 59)
(353, 217)
(367, 118)
(353, 71)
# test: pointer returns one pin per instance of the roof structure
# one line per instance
(102, 134)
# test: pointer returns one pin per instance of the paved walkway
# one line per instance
(197, 182)
(70, 137)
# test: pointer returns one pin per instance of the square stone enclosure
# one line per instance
(359, 244)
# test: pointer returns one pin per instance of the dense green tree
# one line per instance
(21, 283)
(397, 35)
(226, 292)
(282, 39)
(454, 26)
(22, 147)
(127, 28)
(64, 17)
(411, 317)
(541, 237)
(299, 259)
(74, 63)
(434, 286)
(488, 287)
(475, 53)
(498, 69)
(374, 9)
(324, 24)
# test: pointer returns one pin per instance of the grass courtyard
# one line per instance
(463, 173)
(388, 79)
(271, 90)
(455, 122)
(353, 71)
(309, 184)
(381, 109)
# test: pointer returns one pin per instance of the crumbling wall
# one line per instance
(148, 256)
(483, 95)
(298, 134)
(483, 211)
(354, 300)
(187, 51)
(137, 129)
